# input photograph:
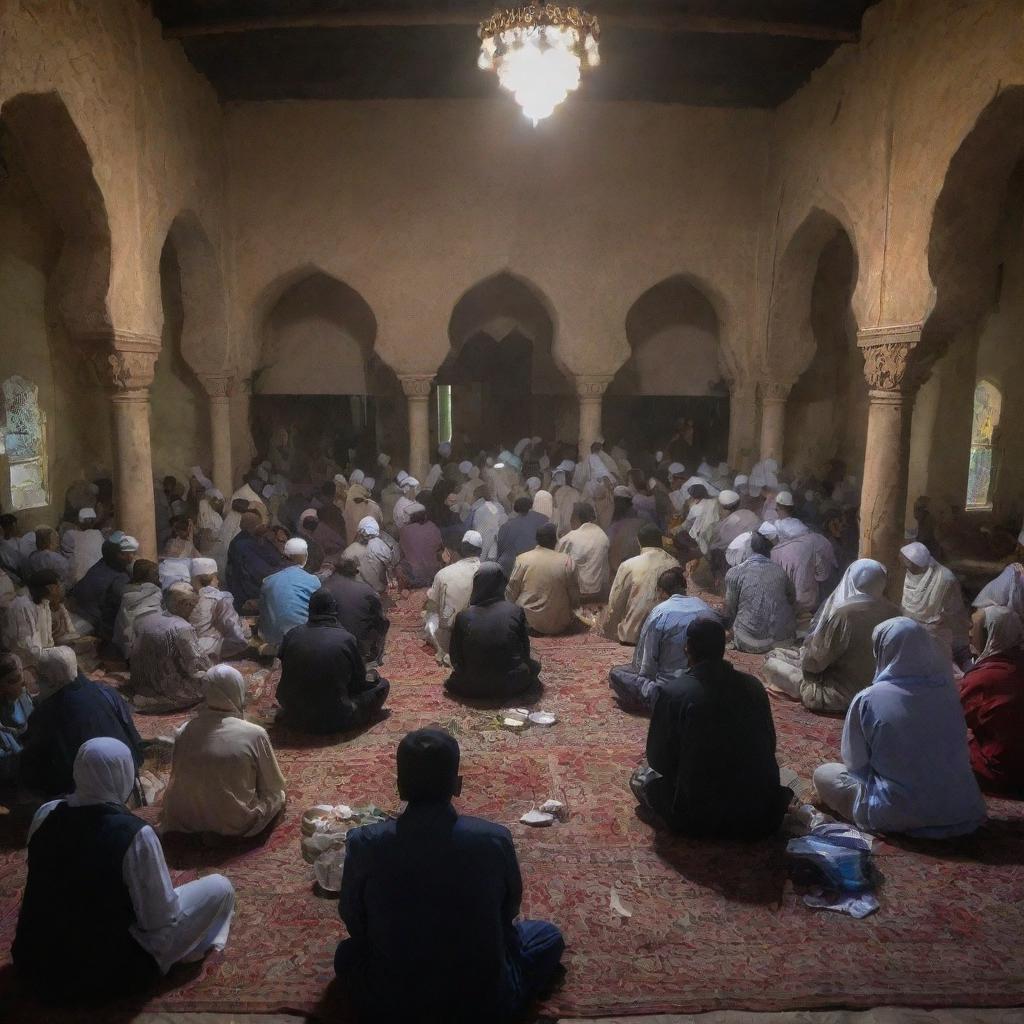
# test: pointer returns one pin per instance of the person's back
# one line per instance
(284, 598)
(712, 739)
(634, 592)
(519, 534)
(543, 585)
(360, 610)
(90, 591)
(587, 545)
(759, 601)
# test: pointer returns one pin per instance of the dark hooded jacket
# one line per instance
(490, 645)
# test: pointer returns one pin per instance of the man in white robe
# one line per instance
(38, 620)
(488, 517)
(83, 546)
(565, 497)
(403, 506)
(222, 632)
(450, 592)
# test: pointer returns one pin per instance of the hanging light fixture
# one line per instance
(538, 52)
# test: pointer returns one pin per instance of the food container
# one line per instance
(515, 719)
(543, 717)
(327, 818)
(538, 819)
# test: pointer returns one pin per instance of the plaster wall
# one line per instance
(412, 203)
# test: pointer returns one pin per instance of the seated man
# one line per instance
(760, 600)
(141, 597)
(660, 653)
(89, 594)
(168, 664)
(251, 559)
(83, 545)
(222, 632)
(285, 594)
(325, 687)
(543, 584)
(70, 709)
(490, 648)
(180, 544)
(123, 924)
(15, 707)
(360, 609)
(587, 546)
(836, 661)
(808, 557)
(450, 592)
(711, 770)
(906, 764)
(420, 543)
(225, 779)
(635, 589)
(519, 534)
(376, 554)
(992, 696)
(430, 902)
(47, 555)
(38, 621)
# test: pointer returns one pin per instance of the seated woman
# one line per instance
(15, 707)
(1005, 591)
(122, 922)
(992, 695)
(224, 776)
(933, 597)
(906, 766)
(325, 687)
(490, 644)
(836, 661)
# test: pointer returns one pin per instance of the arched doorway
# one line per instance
(672, 386)
(320, 383)
(55, 420)
(505, 383)
(812, 337)
(976, 262)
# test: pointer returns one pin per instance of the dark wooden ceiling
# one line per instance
(738, 53)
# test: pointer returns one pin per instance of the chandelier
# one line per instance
(538, 52)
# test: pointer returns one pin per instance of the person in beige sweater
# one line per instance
(543, 584)
(635, 589)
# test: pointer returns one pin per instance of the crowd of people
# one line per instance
(500, 548)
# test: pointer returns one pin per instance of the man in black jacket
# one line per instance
(711, 768)
(360, 609)
(324, 685)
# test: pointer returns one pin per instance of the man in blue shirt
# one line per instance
(284, 596)
(430, 901)
(660, 653)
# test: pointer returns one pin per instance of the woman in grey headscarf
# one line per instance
(99, 872)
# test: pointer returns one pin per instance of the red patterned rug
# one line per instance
(713, 925)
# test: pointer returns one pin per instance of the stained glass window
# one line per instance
(24, 436)
(988, 403)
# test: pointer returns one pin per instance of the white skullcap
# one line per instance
(339, 478)
(296, 546)
(129, 545)
(728, 498)
(369, 526)
(87, 513)
(415, 507)
(465, 466)
(310, 513)
(785, 499)
(358, 476)
(565, 466)
(401, 478)
(533, 484)
(676, 469)
(740, 481)
(622, 492)
(369, 482)
(204, 567)
(212, 492)
(411, 481)
(769, 530)
(473, 539)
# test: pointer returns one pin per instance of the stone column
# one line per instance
(219, 390)
(125, 362)
(742, 425)
(590, 390)
(886, 454)
(773, 418)
(417, 392)
(242, 447)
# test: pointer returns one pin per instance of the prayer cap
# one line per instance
(416, 507)
(533, 484)
(296, 546)
(676, 469)
(410, 481)
(728, 498)
(785, 498)
(565, 466)
(465, 466)
(741, 481)
(401, 478)
(339, 478)
(358, 476)
(204, 567)
(622, 492)
(369, 526)
(128, 544)
(473, 539)
(769, 530)
(310, 513)
(86, 513)
(212, 492)
(369, 482)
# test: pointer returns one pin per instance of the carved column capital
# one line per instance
(123, 361)
(217, 385)
(591, 387)
(417, 385)
(775, 390)
(887, 357)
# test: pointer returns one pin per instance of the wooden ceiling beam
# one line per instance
(426, 17)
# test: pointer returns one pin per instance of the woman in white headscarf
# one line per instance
(100, 872)
(703, 517)
(905, 757)
(1005, 591)
(836, 661)
(933, 597)
(225, 778)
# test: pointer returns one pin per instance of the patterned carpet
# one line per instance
(713, 925)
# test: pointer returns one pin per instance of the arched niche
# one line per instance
(54, 280)
(319, 378)
(674, 375)
(505, 382)
(976, 261)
